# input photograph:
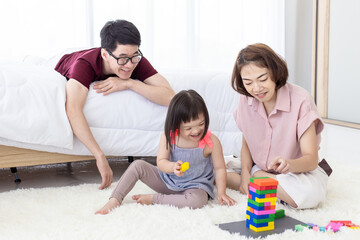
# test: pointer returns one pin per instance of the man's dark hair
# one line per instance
(119, 32)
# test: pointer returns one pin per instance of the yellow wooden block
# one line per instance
(184, 166)
(250, 209)
(262, 200)
(270, 226)
(354, 227)
(247, 217)
(262, 229)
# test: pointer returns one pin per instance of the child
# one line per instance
(186, 139)
(281, 130)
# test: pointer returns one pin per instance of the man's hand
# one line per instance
(110, 85)
(105, 172)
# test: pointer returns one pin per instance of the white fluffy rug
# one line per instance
(68, 213)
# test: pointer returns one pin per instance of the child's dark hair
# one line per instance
(262, 56)
(119, 32)
(185, 106)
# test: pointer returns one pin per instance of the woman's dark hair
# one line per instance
(185, 106)
(119, 32)
(262, 56)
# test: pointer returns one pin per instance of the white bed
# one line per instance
(32, 115)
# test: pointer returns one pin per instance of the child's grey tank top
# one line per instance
(200, 174)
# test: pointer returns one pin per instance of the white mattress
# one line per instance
(123, 123)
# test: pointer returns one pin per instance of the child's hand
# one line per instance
(225, 198)
(280, 165)
(177, 168)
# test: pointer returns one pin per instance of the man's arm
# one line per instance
(155, 88)
(76, 95)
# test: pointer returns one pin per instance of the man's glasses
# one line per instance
(124, 60)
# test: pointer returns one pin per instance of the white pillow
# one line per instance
(32, 105)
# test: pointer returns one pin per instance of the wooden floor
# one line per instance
(62, 174)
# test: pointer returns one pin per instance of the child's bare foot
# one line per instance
(144, 199)
(111, 204)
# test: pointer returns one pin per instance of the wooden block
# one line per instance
(262, 191)
(259, 225)
(252, 179)
(261, 188)
(265, 182)
(261, 229)
(279, 213)
(269, 216)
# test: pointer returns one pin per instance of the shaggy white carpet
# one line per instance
(68, 213)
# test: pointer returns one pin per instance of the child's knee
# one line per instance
(138, 166)
(197, 198)
(137, 163)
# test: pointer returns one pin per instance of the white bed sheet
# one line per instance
(32, 105)
(125, 123)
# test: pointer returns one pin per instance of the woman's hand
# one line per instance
(280, 165)
(245, 182)
(177, 168)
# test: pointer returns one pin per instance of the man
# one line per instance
(118, 63)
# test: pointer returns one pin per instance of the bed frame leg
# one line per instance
(69, 166)
(14, 171)
(130, 159)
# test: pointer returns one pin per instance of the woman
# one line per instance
(281, 129)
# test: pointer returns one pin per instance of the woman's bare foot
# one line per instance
(111, 204)
(144, 199)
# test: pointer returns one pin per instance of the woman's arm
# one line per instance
(309, 159)
(246, 165)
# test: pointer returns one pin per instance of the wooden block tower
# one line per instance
(260, 214)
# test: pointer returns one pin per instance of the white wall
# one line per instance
(344, 62)
(41, 28)
(186, 35)
(298, 41)
(344, 52)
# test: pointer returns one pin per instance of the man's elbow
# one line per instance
(169, 97)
